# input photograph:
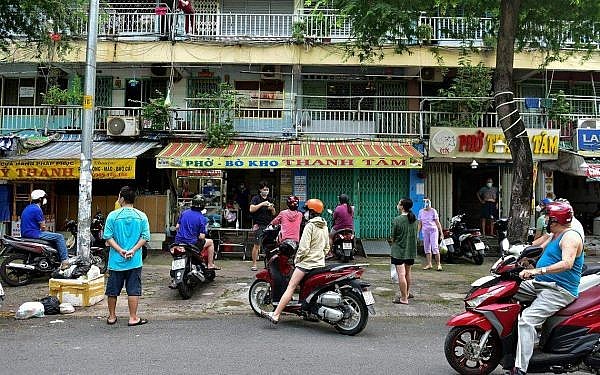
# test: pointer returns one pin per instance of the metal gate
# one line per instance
(374, 194)
(438, 187)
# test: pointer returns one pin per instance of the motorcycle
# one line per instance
(463, 242)
(501, 226)
(334, 293)
(343, 245)
(189, 268)
(486, 333)
(98, 250)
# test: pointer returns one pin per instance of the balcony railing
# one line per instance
(349, 123)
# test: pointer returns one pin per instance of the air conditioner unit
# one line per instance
(270, 72)
(588, 123)
(122, 126)
(431, 75)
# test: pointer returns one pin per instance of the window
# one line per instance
(260, 99)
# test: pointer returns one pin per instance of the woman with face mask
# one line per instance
(262, 211)
(429, 225)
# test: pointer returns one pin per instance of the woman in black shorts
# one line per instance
(404, 247)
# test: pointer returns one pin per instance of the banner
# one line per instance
(106, 169)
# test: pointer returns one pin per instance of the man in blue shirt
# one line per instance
(126, 230)
(33, 225)
(191, 229)
(555, 281)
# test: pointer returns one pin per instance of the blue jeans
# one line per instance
(59, 240)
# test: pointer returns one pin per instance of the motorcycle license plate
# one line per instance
(479, 246)
(347, 246)
(448, 241)
(178, 264)
(368, 296)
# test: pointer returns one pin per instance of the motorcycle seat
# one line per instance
(590, 269)
(36, 240)
(586, 299)
(319, 270)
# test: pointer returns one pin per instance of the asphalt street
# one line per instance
(222, 345)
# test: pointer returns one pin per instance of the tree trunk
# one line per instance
(512, 124)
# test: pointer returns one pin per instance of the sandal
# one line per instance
(398, 301)
(253, 268)
(427, 267)
(439, 268)
(138, 323)
(215, 268)
(269, 317)
(111, 322)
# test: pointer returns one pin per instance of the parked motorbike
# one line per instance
(505, 247)
(463, 242)
(98, 249)
(334, 293)
(486, 333)
(189, 268)
(343, 245)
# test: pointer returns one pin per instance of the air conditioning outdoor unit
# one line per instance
(588, 123)
(431, 75)
(122, 126)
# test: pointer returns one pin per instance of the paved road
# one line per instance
(222, 345)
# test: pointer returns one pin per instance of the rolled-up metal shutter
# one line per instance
(438, 187)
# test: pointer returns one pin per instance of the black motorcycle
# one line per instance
(189, 268)
(463, 242)
(344, 245)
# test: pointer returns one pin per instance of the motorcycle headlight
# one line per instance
(476, 301)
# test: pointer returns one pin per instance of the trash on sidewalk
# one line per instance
(51, 305)
(80, 292)
(66, 308)
(30, 310)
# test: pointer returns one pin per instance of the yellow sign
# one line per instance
(87, 102)
(65, 169)
(296, 162)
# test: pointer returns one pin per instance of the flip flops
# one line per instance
(269, 317)
(253, 268)
(427, 267)
(398, 301)
(110, 322)
(138, 323)
(214, 268)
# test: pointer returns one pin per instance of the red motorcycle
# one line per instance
(334, 293)
(486, 333)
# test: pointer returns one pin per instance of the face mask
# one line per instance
(307, 215)
(209, 184)
(427, 203)
(489, 184)
(538, 209)
(44, 202)
(264, 193)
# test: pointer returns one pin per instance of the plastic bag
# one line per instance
(30, 310)
(51, 305)
(443, 248)
(66, 308)
(93, 273)
(393, 273)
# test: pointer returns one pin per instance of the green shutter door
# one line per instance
(374, 194)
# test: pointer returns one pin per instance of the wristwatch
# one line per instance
(543, 270)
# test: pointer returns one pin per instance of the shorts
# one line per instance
(398, 262)
(258, 233)
(488, 210)
(132, 279)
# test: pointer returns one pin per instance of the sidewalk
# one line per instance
(436, 293)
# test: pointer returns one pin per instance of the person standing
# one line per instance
(262, 210)
(488, 197)
(429, 225)
(126, 231)
(33, 225)
(540, 224)
(314, 244)
(290, 220)
(404, 247)
(553, 284)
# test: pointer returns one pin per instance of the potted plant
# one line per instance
(157, 113)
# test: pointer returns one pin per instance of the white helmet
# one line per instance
(37, 194)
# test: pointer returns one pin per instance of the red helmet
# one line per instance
(315, 204)
(559, 212)
(292, 202)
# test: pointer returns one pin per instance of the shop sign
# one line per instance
(588, 140)
(65, 169)
(593, 171)
(214, 173)
(289, 162)
(479, 143)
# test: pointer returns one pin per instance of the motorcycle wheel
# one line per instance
(357, 321)
(478, 259)
(12, 276)
(184, 287)
(259, 297)
(460, 344)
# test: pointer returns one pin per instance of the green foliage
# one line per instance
(158, 112)
(57, 96)
(219, 132)
(298, 32)
(471, 82)
(32, 22)
(560, 107)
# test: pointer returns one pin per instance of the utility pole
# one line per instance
(87, 134)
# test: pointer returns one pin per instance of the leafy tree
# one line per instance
(221, 103)
(547, 27)
(42, 23)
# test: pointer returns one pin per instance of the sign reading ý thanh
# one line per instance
(479, 143)
(65, 169)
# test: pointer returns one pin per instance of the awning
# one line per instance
(60, 161)
(297, 154)
(568, 162)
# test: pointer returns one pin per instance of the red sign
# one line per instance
(217, 173)
(593, 171)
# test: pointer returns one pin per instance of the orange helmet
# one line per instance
(315, 204)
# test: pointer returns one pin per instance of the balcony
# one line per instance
(355, 123)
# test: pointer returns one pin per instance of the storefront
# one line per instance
(462, 159)
(375, 174)
(55, 169)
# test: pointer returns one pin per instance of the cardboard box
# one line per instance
(77, 292)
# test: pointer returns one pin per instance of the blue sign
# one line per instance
(588, 139)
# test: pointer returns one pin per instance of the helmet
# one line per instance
(37, 194)
(198, 201)
(546, 201)
(315, 204)
(559, 212)
(292, 202)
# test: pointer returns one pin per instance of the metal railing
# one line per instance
(357, 121)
